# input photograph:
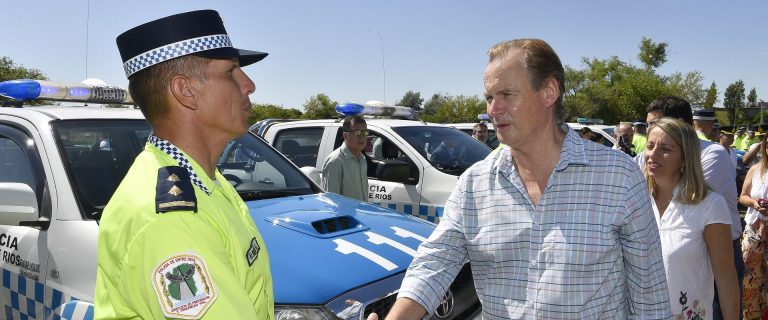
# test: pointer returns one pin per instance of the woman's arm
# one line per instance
(718, 239)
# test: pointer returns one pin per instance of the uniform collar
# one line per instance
(201, 181)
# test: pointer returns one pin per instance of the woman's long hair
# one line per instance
(693, 187)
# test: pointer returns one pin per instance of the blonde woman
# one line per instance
(694, 224)
(755, 235)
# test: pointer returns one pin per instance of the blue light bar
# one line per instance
(350, 109)
(483, 117)
(27, 89)
(375, 108)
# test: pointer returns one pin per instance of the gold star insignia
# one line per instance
(175, 191)
(173, 177)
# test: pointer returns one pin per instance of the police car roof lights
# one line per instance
(375, 108)
(483, 117)
(27, 89)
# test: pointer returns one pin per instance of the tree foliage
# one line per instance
(11, 71)
(320, 106)
(752, 97)
(711, 98)
(271, 111)
(434, 103)
(412, 100)
(734, 99)
(455, 109)
(614, 90)
(652, 54)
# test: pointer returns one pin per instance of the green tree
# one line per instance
(11, 71)
(437, 99)
(271, 111)
(734, 99)
(711, 98)
(320, 106)
(752, 97)
(412, 100)
(652, 54)
(689, 87)
(610, 89)
(457, 109)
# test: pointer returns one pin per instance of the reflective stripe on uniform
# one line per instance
(25, 296)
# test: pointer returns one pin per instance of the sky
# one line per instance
(356, 51)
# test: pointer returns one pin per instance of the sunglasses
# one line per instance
(358, 132)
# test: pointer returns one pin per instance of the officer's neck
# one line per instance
(203, 149)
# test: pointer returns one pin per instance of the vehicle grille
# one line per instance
(381, 307)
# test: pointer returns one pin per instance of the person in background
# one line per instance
(749, 140)
(754, 193)
(176, 240)
(480, 133)
(703, 122)
(694, 224)
(753, 154)
(624, 135)
(554, 227)
(725, 139)
(345, 170)
(639, 137)
(738, 138)
(719, 174)
(586, 133)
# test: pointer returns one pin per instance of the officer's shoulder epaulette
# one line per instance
(174, 191)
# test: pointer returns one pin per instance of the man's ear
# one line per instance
(551, 90)
(184, 90)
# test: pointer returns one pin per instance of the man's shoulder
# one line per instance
(709, 148)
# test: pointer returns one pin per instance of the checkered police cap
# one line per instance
(199, 33)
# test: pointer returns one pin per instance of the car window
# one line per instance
(97, 154)
(381, 153)
(447, 149)
(14, 165)
(300, 145)
(259, 172)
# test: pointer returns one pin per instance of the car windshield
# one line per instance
(447, 149)
(98, 153)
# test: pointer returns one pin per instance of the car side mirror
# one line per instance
(393, 171)
(18, 204)
(312, 173)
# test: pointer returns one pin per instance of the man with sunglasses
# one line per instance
(345, 170)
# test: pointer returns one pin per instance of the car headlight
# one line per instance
(299, 312)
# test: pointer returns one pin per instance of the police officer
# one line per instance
(176, 240)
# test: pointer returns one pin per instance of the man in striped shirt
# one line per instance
(555, 227)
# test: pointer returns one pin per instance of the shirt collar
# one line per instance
(346, 153)
(182, 160)
(572, 153)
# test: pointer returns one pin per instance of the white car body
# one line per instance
(423, 194)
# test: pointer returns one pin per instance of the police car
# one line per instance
(402, 175)
(331, 257)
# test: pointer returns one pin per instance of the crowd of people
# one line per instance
(554, 226)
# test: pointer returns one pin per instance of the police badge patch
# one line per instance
(253, 252)
(183, 286)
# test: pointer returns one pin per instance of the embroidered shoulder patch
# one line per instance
(174, 191)
(183, 286)
(253, 252)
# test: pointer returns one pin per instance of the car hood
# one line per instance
(323, 245)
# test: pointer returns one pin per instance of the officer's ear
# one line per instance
(184, 90)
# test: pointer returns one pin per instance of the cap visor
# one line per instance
(246, 57)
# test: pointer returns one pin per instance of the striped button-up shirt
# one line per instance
(590, 249)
